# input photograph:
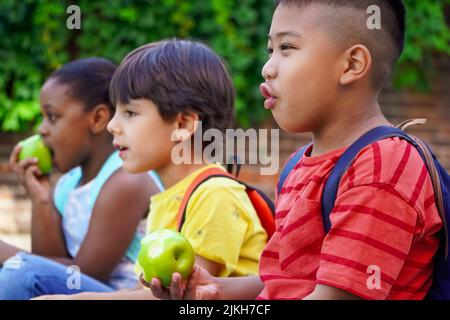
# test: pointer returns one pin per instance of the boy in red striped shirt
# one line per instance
(328, 62)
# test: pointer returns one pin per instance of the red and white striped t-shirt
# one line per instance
(384, 227)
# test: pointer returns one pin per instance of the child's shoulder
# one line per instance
(220, 186)
(224, 199)
(223, 192)
(392, 163)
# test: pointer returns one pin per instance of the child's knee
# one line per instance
(20, 275)
(24, 263)
(16, 263)
(17, 278)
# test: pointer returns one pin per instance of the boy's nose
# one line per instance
(268, 71)
(112, 126)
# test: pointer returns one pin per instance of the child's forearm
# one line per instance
(232, 288)
(46, 234)
(239, 288)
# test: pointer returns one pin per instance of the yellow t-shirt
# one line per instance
(221, 223)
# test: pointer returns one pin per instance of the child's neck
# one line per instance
(92, 165)
(174, 173)
(343, 132)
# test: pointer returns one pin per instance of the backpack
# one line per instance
(264, 207)
(440, 289)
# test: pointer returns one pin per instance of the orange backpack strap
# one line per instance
(202, 177)
(262, 204)
(264, 208)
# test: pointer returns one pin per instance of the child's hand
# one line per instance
(200, 286)
(29, 175)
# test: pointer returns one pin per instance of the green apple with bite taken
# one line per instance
(164, 252)
(34, 147)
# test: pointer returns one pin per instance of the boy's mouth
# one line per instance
(266, 92)
(122, 149)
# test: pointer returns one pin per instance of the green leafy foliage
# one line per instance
(34, 41)
(427, 34)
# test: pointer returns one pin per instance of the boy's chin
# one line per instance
(132, 169)
(291, 127)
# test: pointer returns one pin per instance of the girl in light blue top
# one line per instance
(86, 229)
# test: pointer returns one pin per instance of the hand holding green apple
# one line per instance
(31, 161)
(34, 147)
(164, 252)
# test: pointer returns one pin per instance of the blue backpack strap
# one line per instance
(65, 184)
(290, 165)
(331, 186)
(440, 289)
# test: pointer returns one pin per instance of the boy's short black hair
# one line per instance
(385, 44)
(178, 76)
(88, 80)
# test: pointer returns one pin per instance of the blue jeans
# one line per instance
(26, 276)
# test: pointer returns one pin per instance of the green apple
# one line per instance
(34, 147)
(164, 252)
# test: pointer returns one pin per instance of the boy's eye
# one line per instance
(281, 47)
(285, 46)
(130, 114)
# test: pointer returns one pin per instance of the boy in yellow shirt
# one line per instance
(160, 90)
(221, 223)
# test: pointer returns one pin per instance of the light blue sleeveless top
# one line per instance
(75, 204)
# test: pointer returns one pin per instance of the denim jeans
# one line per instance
(26, 276)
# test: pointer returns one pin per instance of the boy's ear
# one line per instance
(357, 63)
(99, 119)
(188, 122)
